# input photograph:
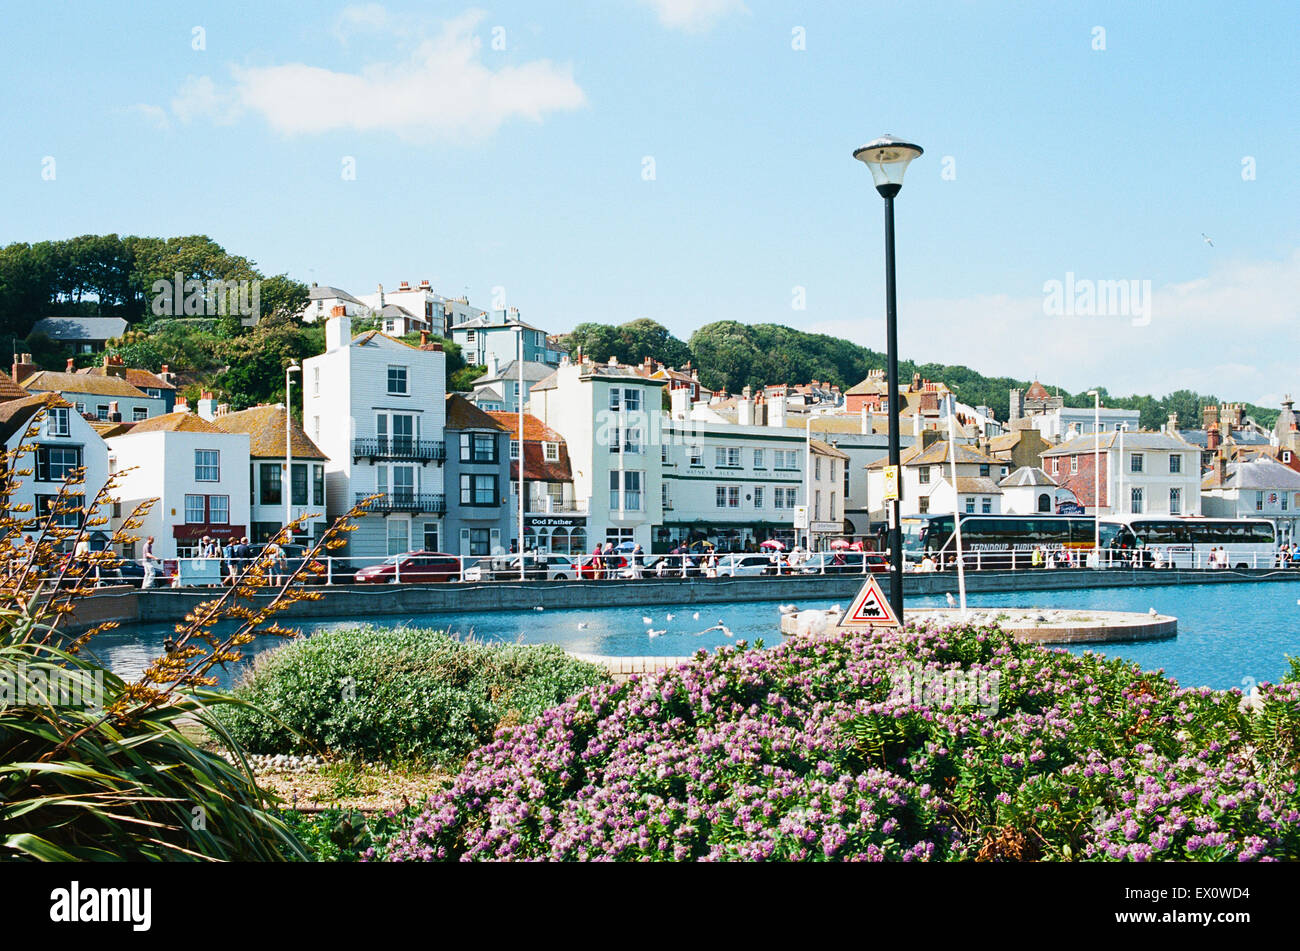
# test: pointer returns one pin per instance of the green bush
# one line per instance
(397, 693)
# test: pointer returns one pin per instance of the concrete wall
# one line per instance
(364, 602)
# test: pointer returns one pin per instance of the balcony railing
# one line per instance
(396, 447)
(549, 506)
(416, 503)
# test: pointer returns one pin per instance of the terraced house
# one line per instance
(478, 475)
(271, 483)
(377, 408)
(110, 397)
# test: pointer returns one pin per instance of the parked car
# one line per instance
(841, 563)
(295, 555)
(745, 565)
(412, 567)
(611, 566)
(537, 567)
(132, 573)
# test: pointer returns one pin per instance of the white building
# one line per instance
(265, 428)
(497, 390)
(1259, 488)
(322, 299)
(826, 492)
(64, 441)
(1031, 491)
(197, 473)
(497, 333)
(1066, 422)
(377, 408)
(927, 484)
(729, 484)
(610, 419)
(1152, 473)
(412, 308)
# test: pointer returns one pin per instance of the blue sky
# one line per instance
(524, 167)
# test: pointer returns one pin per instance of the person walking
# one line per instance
(597, 563)
(149, 563)
(638, 557)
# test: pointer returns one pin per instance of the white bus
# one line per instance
(1186, 542)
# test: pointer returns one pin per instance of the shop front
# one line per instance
(723, 536)
(558, 534)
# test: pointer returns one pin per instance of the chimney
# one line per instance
(1209, 416)
(207, 406)
(164, 373)
(1171, 427)
(866, 421)
(424, 286)
(381, 296)
(115, 366)
(929, 437)
(182, 405)
(424, 342)
(680, 401)
(114, 412)
(776, 408)
(338, 331)
(1221, 463)
(223, 409)
(745, 408)
(1212, 438)
(405, 286)
(23, 368)
(70, 366)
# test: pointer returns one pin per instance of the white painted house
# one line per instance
(64, 441)
(377, 408)
(927, 484)
(1258, 488)
(198, 474)
(609, 416)
(1151, 473)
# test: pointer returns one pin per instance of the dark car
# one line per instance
(414, 567)
(537, 567)
(132, 573)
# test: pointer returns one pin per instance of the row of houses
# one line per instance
(609, 452)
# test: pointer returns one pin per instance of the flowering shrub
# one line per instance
(817, 750)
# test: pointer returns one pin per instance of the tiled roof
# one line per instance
(9, 390)
(51, 381)
(265, 428)
(937, 452)
(826, 449)
(536, 468)
(174, 423)
(1027, 476)
(325, 292)
(1111, 440)
(534, 429)
(1037, 391)
(16, 414)
(1258, 473)
(462, 414)
(80, 328)
(981, 485)
(533, 370)
(137, 378)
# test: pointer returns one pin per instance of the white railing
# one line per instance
(466, 569)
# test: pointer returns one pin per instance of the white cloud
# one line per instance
(694, 16)
(439, 91)
(1230, 333)
(156, 115)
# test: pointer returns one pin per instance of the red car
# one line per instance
(611, 565)
(413, 567)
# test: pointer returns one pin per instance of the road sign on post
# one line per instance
(891, 483)
(801, 517)
(870, 608)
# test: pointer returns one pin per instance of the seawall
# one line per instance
(170, 605)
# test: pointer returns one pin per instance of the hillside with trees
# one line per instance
(113, 276)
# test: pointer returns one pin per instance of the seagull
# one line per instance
(657, 633)
(952, 602)
(1151, 611)
(787, 608)
(669, 617)
(647, 621)
(582, 625)
(539, 608)
(1207, 239)
(696, 615)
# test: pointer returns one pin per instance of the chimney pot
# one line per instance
(70, 366)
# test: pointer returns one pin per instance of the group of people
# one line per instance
(235, 555)
(1288, 556)
(606, 562)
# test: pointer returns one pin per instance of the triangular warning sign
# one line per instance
(870, 608)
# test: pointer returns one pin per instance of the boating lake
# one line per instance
(1229, 635)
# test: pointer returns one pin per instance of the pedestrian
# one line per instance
(597, 563)
(242, 556)
(638, 556)
(149, 563)
(228, 572)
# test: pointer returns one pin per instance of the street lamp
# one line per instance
(286, 485)
(888, 158)
(1096, 473)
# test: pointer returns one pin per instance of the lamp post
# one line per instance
(888, 158)
(1096, 473)
(519, 405)
(287, 485)
(807, 480)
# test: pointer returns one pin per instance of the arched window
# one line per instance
(1045, 503)
(577, 541)
(560, 541)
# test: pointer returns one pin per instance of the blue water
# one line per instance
(1228, 634)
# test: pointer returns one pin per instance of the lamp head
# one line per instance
(888, 158)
